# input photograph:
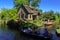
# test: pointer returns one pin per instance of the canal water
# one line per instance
(7, 34)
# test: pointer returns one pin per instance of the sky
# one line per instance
(45, 5)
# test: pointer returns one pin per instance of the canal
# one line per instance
(8, 34)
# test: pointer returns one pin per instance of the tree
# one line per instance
(4, 13)
(34, 3)
(56, 21)
(8, 13)
(13, 13)
(19, 2)
(48, 15)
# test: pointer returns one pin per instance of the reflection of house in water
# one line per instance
(28, 12)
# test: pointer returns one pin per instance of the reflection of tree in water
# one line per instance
(18, 36)
(12, 24)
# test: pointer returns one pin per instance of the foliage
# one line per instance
(52, 16)
(19, 2)
(47, 16)
(8, 14)
(34, 3)
(58, 30)
(56, 21)
(27, 24)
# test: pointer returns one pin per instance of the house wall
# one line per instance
(30, 17)
(19, 14)
(37, 17)
(23, 14)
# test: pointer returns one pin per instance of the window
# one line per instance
(30, 16)
(34, 17)
(26, 16)
(22, 15)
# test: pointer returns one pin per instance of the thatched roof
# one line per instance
(30, 9)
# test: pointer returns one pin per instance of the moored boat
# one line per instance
(36, 34)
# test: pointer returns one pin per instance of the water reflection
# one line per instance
(7, 35)
(15, 35)
(54, 35)
(12, 35)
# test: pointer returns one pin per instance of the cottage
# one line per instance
(28, 12)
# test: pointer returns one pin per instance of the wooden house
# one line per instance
(28, 12)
